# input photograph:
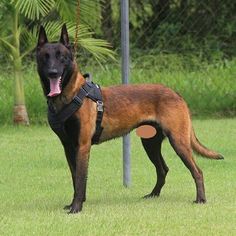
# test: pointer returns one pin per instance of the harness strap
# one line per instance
(75, 104)
(99, 128)
(57, 120)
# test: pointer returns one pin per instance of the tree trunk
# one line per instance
(20, 115)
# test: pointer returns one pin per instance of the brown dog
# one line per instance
(125, 108)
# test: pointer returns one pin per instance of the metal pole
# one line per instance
(125, 80)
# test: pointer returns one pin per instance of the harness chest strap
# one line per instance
(57, 120)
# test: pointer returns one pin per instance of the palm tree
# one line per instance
(12, 44)
(51, 13)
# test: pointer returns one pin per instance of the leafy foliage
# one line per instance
(52, 14)
(179, 26)
(209, 90)
(34, 9)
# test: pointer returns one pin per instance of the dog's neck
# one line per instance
(70, 91)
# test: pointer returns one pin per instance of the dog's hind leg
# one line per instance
(152, 147)
(181, 144)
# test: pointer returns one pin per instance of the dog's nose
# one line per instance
(53, 73)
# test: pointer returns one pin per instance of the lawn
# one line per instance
(35, 184)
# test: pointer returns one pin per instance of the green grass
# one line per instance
(35, 185)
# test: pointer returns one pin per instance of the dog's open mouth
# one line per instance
(55, 87)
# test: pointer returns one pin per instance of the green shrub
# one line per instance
(209, 90)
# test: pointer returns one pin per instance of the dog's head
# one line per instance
(55, 62)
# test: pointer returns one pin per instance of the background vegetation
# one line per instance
(188, 45)
(210, 90)
(200, 26)
(20, 20)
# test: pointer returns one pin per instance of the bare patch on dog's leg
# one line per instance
(146, 131)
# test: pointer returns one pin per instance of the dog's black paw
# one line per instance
(68, 207)
(73, 211)
(75, 208)
(150, 195)
(200, 201)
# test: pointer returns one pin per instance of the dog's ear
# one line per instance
(42, 39)
(64, 36)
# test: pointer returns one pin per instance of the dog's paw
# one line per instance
(150, 195)
(75, 208)
(68, 207)
(73, 211)
(200, 201)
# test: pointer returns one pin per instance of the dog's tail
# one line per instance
(202, 150)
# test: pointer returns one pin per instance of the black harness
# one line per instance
(57, 119)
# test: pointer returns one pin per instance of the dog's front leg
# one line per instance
(82, 159)
(70, 152)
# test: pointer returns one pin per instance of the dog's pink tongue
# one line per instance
(54, 87)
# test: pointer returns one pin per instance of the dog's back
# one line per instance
(128, 106)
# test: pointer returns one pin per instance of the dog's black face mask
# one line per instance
(55, 62)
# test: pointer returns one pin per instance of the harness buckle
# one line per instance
(99, 105)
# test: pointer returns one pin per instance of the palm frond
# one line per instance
(97, 47)
(34, 9)
(90, 12)
(28, 41)
(41, 9)
(6, 44)
(67, 9)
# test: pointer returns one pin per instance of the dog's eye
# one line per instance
(63, 58)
